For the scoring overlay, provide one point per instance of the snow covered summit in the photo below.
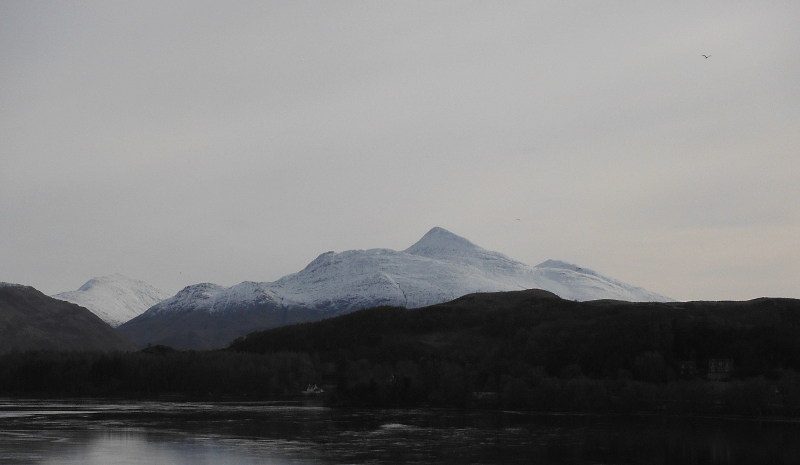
(439, 267)
(115, 298)
(439, 242)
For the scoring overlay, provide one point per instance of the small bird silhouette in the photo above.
(706, 56)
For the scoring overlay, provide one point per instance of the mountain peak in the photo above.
(115, 298)
(439, 240)
(115, 279)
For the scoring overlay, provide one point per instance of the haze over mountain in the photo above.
(439, 267)
(30, 320)
(115, 298)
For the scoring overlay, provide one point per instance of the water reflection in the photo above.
(87, 432)
(135, 447)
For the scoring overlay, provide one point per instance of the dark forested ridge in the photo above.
(533, 349)
(538, 330)
(527, 349)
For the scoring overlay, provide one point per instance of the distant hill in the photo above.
(115, 298)
(30, 320)
(440, 267)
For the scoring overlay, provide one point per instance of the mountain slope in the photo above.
(581, 284)
(116, 298)
(30, 320)
(440, 267)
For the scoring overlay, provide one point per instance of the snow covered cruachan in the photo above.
(439, 267)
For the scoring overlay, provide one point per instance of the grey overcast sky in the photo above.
(185, 142)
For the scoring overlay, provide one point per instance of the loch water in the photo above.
(147, 432)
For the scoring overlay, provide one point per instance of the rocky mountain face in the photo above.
(30, 320)
(439, 267)
(116, 298)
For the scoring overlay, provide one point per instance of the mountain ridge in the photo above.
(440, 267)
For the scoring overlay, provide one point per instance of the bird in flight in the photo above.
(706, 56)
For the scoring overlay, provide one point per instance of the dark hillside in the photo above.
(369, 327)
(488, 343)
(537, 328)
(201, 330)
(30, 320)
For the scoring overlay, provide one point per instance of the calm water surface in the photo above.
(100, 432)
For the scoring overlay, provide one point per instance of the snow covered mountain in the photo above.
(116, 298)
(439, 267)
